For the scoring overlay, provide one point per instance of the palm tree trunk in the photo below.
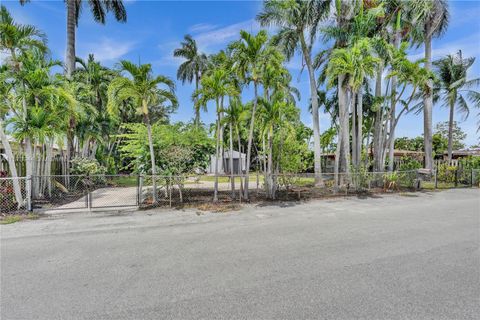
(152, 158)
(217, 156)
(450, 131)
(378, 165)
(428, 102)
(197, 108)
(232, 177)
(354, 128)
(391, 154)
(315, 118)
(71, 25)
(344, 135)
(11, 166)
(250, 139)
(270, 164)
(240, 164)
(359, 125)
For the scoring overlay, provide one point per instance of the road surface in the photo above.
(392, 257)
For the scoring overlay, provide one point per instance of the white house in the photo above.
(239, 161)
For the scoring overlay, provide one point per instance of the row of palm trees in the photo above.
(362, 41)
(362, 76)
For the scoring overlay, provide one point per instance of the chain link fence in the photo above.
(67, 192)
(14, 195)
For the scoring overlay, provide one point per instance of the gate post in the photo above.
(139, 189)
(28, 187)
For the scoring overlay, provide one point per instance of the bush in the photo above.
(86, 166)
(446, 173)
(408, 164)
(390, 181)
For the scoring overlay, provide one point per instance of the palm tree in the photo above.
(273, 117)
(147, 92)
(16, 39)
(455, 88)
(6, 101)
(298, 21)
(431, 18)
(99, 9)
(356, 64)
(95, 79)
(234, 116)
(215, 86)
(249, 55)
(193, 68)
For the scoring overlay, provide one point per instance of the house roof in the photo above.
(465, 152)
(396, 152)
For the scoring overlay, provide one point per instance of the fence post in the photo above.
(89, 200)
(169, 186)
(456, 177)
(471, 178)
(28, 187)
(139, 189)
(436, 177)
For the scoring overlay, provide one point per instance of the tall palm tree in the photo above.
(6, 100)
(298, 21)
(99, 9)
(455, 88)
(356, 64)
(431, 18)
(193, 68)
(235, 116)
(15, 39)
(95, 78)
(147, 92)
(249, 55)
(215, 86)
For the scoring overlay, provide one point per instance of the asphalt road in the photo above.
(393, 257)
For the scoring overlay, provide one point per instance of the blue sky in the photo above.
(155, 28)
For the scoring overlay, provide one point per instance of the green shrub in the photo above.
(408, 163)
(390, 181)
(86, 166)
(446, 173)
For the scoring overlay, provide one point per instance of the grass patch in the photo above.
(127, 181)
(12, 218)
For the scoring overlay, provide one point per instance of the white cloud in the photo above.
(208, 40)
(469, 45)
(201, 27)
(107, 49)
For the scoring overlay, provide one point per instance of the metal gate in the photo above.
(77, 192)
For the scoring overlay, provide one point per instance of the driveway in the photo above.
(411, 256)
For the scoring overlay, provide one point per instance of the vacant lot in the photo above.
(393, 257)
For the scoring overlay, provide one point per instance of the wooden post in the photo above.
(456, 177)
(471, 178)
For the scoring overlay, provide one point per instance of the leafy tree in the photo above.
(452, 133)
